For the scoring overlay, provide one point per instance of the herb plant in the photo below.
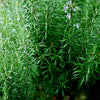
(48, 47)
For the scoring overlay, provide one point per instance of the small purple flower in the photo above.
(68, 16)
(77, 25)
(65, 7)
(69, 2)
(74, 9)
(65, 11)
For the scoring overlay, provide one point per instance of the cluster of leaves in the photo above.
(16, 72)
(44, 47)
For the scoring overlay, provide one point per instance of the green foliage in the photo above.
(48, 47)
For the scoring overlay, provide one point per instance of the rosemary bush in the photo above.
(48, 47)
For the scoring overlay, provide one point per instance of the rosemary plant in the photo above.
(48, 47)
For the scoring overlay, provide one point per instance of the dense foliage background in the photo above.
(48, 48)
